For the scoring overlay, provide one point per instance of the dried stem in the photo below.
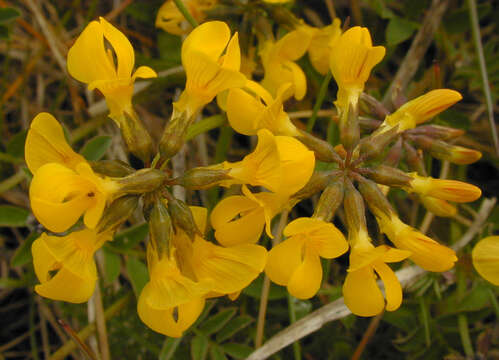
(418, 48)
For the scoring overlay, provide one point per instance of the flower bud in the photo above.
(141, 181)
(355, 211)
(137, 138)
(349, 128)
(173, 137)
(387, 175)
(331, 198)
(117, 213)
(112, 168)
(394, 155)
(414, 159)
(373, 146)
(203, 177)
(182, 217)
(438, 207)
(377, 202)
(450, 190)
(444, 151)
(437, 132)
(322, 149)
(376, 107)
(317, 182)
(160, 225)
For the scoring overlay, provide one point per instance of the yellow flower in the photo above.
(171, 20)
(295, 262)
(91, 63)
(259, 168)
(422, 108)
(360, 290)
(425, 252)
(45, 143)
(71, 257)
(60, 195)
(231, 269)
(450, 190)
(278, 62)
(319, 51)
(247, 113)
(209, 72)
(170, 302)
(227, 269)
(280, 163)
(485, 257)
(352, 59)
(241, 219)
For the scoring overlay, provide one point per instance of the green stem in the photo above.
(493, 300)
(292, 319)
(15, 179)
(320, 99)
(426, 323)
(462, 320)
(181, 7)
(475, 28)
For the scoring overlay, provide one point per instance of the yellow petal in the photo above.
(438, 207)
(122, 48)
(72, 257)
(450, 190)
(245, 229)
(200, 215)
(298, 78)
(232, 268)
(293, 45)
(232, 57)
(426, 252)
(87, 58)
(393, 290)
(297, 163)
(45, 143)
(423, 108)
(485, 256)
(162, 320)
(361, 293)
(243, 111)
(209, 38)
(306, 279)
(144, 72)
(284, 259)
(67, 286)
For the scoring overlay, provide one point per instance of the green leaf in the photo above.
(199, 347)
(130, 237)
(216, 353)
(237, 351)
(112, 265)
(96, 147)
(13, 216)
(22, 255)
(15, 146)
(215, 323)
(234, 327)
(379, 7)
(8, 14)
(399, 30)
(137, 272)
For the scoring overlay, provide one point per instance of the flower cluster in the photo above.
(185, 266)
